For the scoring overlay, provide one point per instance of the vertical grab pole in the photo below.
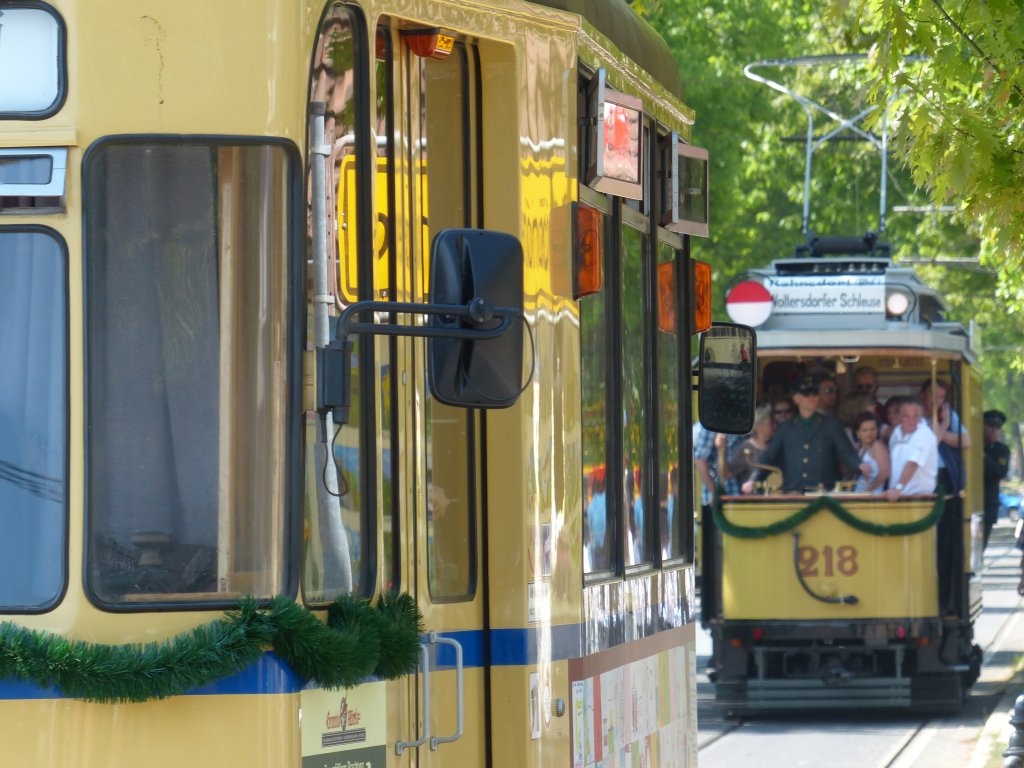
(337, 560)
(433, 637)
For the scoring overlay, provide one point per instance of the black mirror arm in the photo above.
(333, 392)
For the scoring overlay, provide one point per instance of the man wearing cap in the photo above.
(809, 448)
(997, 464)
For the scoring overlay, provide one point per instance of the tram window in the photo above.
(668, 336)
(634, 409)
(187, 252)
(598, 533)
(33, 413)
(339, 554)
(450, 491)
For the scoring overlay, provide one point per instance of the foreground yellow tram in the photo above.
(342, 348)
(833, 599)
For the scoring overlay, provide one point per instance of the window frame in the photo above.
(58, 238)
(639, 215)
(294, 311)
(62, 64)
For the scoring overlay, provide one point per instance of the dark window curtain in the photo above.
(153, 334)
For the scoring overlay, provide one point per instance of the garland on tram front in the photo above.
(358, 641)
(833, 506)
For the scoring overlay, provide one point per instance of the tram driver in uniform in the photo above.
(811, 448)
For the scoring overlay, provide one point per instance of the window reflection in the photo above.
(187, 252)
(33, 393)
(634, 427)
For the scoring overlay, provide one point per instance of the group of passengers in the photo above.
(893, 449)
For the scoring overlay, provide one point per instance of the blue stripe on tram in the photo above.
(272, 675)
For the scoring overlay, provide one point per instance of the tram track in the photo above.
(907, 751)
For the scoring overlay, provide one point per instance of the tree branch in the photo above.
(970, 41)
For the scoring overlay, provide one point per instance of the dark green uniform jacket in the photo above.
(810, 452)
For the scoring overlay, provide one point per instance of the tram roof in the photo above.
(923, 328)
(631, 34)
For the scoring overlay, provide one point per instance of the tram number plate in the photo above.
(827, 561)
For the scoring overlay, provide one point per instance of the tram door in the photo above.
(437, 97)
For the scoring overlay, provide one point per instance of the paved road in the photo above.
(890, 740)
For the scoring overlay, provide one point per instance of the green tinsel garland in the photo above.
(359, 641)
(833, 506)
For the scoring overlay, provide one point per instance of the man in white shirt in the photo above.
(914, 453)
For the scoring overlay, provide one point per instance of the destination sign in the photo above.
(827, 294)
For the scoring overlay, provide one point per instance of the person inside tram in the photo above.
(854, 405)
(892, 417)
(865, 381)
(739, 465)
(871, 451)
(782, 410)
(913, 453)
(811, 448)
(949, 431)
(828, 400)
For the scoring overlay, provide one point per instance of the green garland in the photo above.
(358, 641)
(833, 506)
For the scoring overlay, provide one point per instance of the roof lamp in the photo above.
(896, 303)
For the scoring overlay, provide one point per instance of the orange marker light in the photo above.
(701, 274)
(587, 257)
(429, 43)
(667, 297)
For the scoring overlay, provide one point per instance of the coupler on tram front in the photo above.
(837, 602)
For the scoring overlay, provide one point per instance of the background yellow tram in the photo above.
(840, 600)
(190, 197)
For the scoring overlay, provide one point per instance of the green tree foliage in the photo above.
(955, 141)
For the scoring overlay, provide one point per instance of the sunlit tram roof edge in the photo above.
(903, 341)
(630, 34)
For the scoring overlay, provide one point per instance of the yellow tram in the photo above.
(297, 468)
(834, 599)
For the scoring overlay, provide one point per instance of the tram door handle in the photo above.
(401, 746)
(433, 637)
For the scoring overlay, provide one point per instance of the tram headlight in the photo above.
(897, 303)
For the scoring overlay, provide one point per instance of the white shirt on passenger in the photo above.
(920, 447)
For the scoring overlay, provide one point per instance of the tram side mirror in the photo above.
(484, 270)
(727, 373)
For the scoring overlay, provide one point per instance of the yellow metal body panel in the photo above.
(891, 576)
(220, 69)
(261, 731)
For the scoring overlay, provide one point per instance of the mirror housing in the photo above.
(475, 327)
(482, 270)
(727, 374)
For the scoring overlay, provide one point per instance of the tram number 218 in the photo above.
(831, 560)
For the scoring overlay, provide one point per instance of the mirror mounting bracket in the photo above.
(334, 386)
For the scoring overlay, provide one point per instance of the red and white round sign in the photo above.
(749, 303)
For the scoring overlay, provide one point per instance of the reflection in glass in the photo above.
(187, 251)
(337, 536)
(634, 430)
(451, 546)
(597, 534)
(33, 432)
(668, 418)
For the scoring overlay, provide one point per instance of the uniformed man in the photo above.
(811, 447)
(997, 464)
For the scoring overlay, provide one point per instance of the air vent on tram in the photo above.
(32, 180)
(831, 266)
